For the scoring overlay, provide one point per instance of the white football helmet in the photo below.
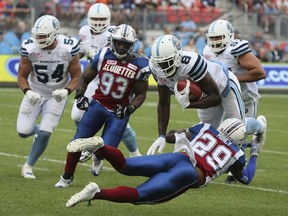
(223, 30)
(123, 40)
(45, 30)
(234, 130)
(166, 54)
(99, 17)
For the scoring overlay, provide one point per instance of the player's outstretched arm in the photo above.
(246, 175)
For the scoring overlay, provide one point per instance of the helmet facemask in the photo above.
(166, 55)
(220, 35)
(168, 65)
(99, 17)
(123, 40)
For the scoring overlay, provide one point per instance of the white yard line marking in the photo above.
(111, 169)
(49, 160)
(253, 188)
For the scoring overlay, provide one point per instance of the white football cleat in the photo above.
(27, 172)
(87, 194)
(85, 156)
(63, 183)
(85, 144)
(260, 138)
(96, 165)
(135, 153)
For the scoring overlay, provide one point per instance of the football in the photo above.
(196, 92)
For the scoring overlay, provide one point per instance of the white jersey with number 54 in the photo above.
(50, 67)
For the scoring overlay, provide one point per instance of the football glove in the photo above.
(254, 149)
(60, 94)
(160, 143)
(33, 97)
(183, 144)
(123, 111)
(86, 49)
(82, 102)
(183, 99)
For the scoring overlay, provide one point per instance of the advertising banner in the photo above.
(277, 74)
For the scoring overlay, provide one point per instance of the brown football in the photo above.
(196, 92)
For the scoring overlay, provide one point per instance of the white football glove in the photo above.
(33, 97)
(183, 99)
(86, 49)
(60, 94)
(254, 149)
(183, 144)
(159, 142)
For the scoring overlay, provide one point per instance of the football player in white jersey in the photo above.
(93, 37)
(237, 55)
(170, 64)
(201, 154)
(48, 72)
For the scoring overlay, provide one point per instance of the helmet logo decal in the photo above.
(176, 43)
(55, 24)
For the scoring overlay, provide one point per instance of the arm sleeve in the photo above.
(249, 171)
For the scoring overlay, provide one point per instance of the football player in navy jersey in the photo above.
(237, 55)
(122, 73)
(94, 36)
(201, 154)
(48, 71)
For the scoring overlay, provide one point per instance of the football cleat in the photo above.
(87, 194)
(26, 172)
(85, 144)
(260, 138)
(63, 183)
(96, 165)
(135, 153)
(85, 156)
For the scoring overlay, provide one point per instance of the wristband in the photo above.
(25, 90)
(69, 90)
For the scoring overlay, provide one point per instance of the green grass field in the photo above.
(266, 195)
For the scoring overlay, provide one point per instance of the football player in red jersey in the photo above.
(122, 74)
(201, 154)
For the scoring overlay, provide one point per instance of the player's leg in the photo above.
(254, 126)
(90, 91)
(161, 187)
(212, 115)
(51, 114)
(112, 135)
(234, 107)
(26, 127)
(87, 127)
(129, 139)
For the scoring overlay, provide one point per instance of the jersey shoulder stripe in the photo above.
(199, 68)
(240, 47)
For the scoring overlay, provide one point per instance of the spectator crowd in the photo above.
(15, 16)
